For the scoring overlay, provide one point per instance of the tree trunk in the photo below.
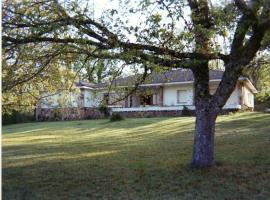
(203, 149)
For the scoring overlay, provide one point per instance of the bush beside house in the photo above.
(16, 117)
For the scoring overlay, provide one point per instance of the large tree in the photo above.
(164, 33)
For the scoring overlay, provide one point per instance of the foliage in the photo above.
(57, 114)
(105, 110)
(94, 70)
(16, 117)
(116, 117)
(187, 112)
(24, 97)
(143, 158)
(259, 73)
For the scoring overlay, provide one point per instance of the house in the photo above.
(164, 94)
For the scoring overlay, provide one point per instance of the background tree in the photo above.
(258, 72)
(29, 74)
(172, 34)
(94, 70)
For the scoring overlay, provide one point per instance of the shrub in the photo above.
(105, 110)
(116, 117)
(17, 117)
(57, 114)
(186, 111)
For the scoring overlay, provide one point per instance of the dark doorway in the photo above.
(106, 99)
(146, 100)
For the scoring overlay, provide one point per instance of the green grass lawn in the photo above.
(135, 159)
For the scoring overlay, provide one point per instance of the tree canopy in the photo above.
(167, 33)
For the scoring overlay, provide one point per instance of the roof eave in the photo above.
(249, 84)
(85, 87)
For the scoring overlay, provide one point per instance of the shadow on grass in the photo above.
(93, 125)
(129, 161)
(134, 179)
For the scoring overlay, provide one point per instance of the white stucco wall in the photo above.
(170, 95)
(64, 99)
(248, 97)
(88, 98)
(92, 98)
(234, 99)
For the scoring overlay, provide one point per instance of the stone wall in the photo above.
(54, 114)
(167, 113)
(141, 114)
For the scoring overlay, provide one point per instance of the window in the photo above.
(182, 96)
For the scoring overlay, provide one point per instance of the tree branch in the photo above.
(7, 87)
(247, 10)
(7, 41)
